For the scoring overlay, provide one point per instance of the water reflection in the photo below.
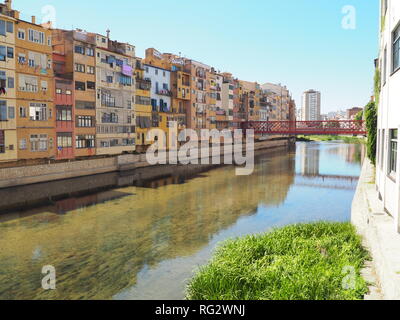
(145, 242)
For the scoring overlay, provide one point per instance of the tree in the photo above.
(371, 119)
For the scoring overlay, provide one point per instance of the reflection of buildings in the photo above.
(309, 159)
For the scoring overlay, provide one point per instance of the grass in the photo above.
(299, 262)
(346, 139)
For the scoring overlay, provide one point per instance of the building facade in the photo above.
(8, 102)
(115, 98)
(311, 106)
(79, 48)
(388, 157)
(143, 107)
(64, 108)
(35, 91)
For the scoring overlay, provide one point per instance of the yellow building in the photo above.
(35, 116)
(8, 104)
(142, 107)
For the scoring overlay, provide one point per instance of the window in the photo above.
(49, 41)
(58, 91)
(396, 49)
(3, 110)
(68, 92)
(3, 28)
(79, 49)
(86, 141)
(90, 52)
(393, 152)
(38, 111)
(90, 70)
(3, 53)
(22, 112)
(84, 121)
(22, 144)
(28, 83)
(21, 34)
(79, 67)
(10, 52)
(44, 85)
(107, 99)
(10, 83)
(11, 113)
(64, 140)
(63, 113)
(91, 85)
(21, 58)
(109, 118)
(2, 142)
(110, 79)
(10, 27)
(39, 142)
(81, 86)
(36, 36)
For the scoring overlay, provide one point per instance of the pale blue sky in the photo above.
(300, 43)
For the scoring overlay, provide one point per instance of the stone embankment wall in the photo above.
(11, 177)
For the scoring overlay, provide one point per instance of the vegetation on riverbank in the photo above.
(346, 139)
(300, 262)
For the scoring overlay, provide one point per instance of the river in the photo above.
(146, 242)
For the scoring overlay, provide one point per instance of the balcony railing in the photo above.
(164, 92)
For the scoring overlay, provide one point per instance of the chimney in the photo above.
(33, 19)
(8, 4)
(108, 34)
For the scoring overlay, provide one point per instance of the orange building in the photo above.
(79, 47)
(64, 107)
(34, 83)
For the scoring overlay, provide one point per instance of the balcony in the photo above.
(164, 92)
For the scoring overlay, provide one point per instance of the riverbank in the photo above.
(381, 238)
(345, 139)
(11, 177)
(320, 261)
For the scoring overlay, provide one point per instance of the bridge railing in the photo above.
(331, 127)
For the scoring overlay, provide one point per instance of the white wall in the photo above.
(163, 76)
(388, 114)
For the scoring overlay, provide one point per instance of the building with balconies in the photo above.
(143, 108)
(8, 102)
(34, 91)
(115, 98)
(79, 49)
(64, 109)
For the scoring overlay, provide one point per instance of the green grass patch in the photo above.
(298, 262)
(346, 139)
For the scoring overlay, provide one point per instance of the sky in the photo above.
(303, 44)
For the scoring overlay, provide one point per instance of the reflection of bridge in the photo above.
(332, 127)
(324, 178)
(328, 176)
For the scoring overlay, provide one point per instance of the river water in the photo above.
(146, 242)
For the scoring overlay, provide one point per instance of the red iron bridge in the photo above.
(331, 127)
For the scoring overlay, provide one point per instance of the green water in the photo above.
(145, 243)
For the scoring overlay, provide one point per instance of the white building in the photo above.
(311, 106)
(160, 91)
(388, 158)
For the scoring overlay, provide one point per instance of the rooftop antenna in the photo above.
(108, 33)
